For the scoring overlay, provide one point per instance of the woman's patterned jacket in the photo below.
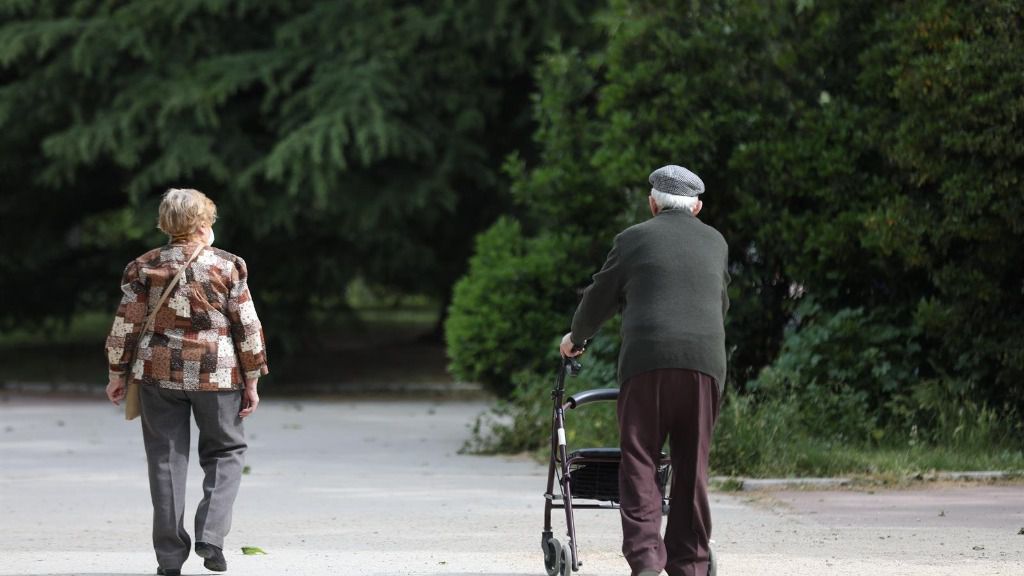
(206, 336)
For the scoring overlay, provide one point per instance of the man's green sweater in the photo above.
(668, 276)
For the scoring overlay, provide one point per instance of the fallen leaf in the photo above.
(252, 550)
(246, 470)
(978, 548)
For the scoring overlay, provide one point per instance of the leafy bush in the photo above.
(943, 84)
(522, 422)
(517, 296)
(951, 413)
(779, 430)
(873, 213)
(766, 438)
(853, 377)
(748, 435)
(848, 369)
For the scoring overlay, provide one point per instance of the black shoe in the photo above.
(168, 571)
(214, 557)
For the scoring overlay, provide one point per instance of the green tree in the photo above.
(861, 157)
(338, 138)
(946, 84)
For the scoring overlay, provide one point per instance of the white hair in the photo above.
(667, 201)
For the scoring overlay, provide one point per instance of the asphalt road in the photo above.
(378, 487)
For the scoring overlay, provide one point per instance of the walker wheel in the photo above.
(553, 557)
(566, 559)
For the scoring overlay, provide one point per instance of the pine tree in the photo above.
(340, 139)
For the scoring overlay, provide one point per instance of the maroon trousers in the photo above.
(681, 405)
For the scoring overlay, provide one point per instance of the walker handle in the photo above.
(572, 362)
(581, 348)
(571, 365)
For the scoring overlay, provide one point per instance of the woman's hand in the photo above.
(116, 389)
(250, 398)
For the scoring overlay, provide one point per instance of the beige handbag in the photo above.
(132, 403)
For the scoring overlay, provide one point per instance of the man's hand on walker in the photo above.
(567, 345)
(250, 398)
(115, 389)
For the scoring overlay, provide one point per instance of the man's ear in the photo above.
(653, 205)
(697, 207)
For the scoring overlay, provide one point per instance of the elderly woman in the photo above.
(199, 350)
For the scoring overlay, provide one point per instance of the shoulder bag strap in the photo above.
(132, 401)
(167, 292)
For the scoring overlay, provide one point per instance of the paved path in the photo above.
(377, 487)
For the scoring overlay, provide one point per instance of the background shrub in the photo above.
(851, 368)
(522, 422)
(505, 311)
(863, 160)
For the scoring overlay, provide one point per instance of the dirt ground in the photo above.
(361, 487)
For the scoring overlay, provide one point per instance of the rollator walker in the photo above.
(587, 474)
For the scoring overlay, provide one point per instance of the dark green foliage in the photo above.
(522, 421)
(751, 436)
(764, 438)
(949, 121)
(851, 368)
(519, 290)
(340, 139)
(865, 157)
(505, 312)
(562, 192)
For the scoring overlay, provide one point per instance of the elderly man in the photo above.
(669, 276)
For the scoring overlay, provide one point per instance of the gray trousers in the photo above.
(165, 431)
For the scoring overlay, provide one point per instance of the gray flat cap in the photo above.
(676, 180)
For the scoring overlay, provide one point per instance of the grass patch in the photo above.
(82, 328)
(770, 439)
(766, 440)
(727, 485)
(809, 457)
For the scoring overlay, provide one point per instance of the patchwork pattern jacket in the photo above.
(206, 336)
